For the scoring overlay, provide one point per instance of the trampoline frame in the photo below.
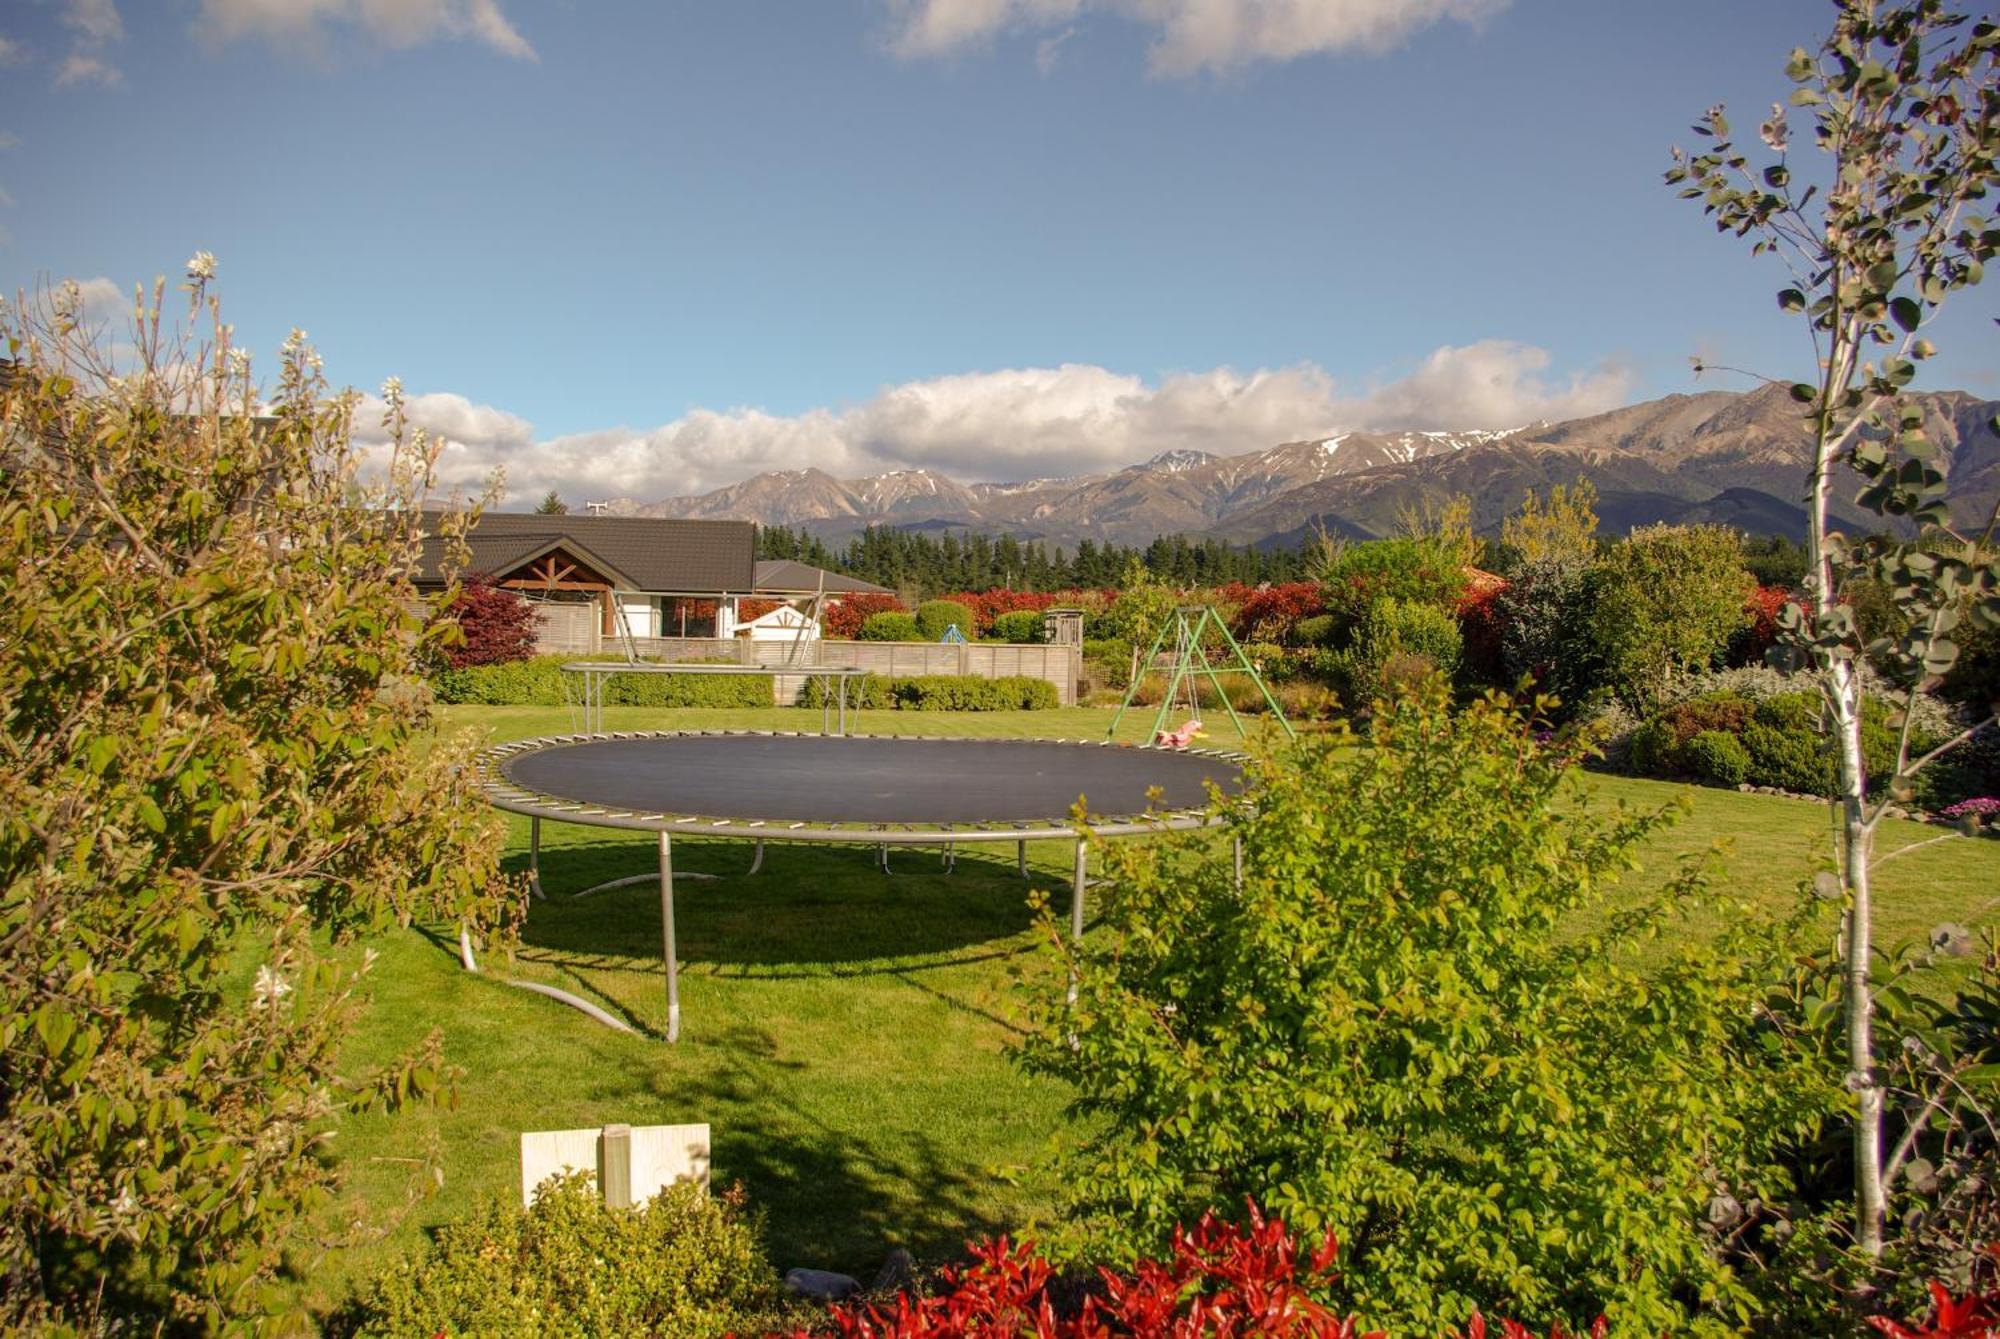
(596, 677)
(503, 794)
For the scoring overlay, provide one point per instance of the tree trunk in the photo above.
(1857, 850)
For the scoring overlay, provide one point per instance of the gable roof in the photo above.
(786, 576)
(638, 553)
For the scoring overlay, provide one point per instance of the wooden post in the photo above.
(667, 936)
(614, 1166)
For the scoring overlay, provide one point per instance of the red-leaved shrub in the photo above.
(1748, 646)
(1219, 1280)
(496, 624)
(1956, 1318)
(1270, 613)
(844, 617)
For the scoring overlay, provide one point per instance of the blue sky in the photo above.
(644, 249)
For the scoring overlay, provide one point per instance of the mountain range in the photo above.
(1717, 456)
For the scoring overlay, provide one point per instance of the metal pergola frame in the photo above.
(502, 793)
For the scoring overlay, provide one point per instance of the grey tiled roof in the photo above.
(785, 576)
(639, 553)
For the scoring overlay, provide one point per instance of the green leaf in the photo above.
(150, 815)
(1906, 313)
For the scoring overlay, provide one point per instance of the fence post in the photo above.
(614, 1166)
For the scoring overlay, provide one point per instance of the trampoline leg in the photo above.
(1076, 897)
(1021, 858)
(1237, 844)
(757, 859)
(882, 857)
(535, 857)
(950, 858)
(667, 935)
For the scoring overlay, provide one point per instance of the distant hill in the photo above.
(1718, 456)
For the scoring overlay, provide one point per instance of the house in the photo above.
(597, 580)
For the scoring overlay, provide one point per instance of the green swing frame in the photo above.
(1191, 665)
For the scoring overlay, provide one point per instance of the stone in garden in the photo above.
(822, 1284)
(899, 1271)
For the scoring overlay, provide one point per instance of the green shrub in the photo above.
(869, 691)
(940, 692)
(684, 1265)
(1316, 630)
(1108, 661)
(539, 683)
(1718, 756)
(1388, 1026)
(1664, 599)
(1398, 644)
(891, 625)
(689, 690)
(1798, 760)
(1022, 625)
(936, 617)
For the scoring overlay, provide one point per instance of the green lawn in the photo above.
(844, 1033)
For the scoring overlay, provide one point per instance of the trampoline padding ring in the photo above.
(861, 779)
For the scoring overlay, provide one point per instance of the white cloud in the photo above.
(82, 68)
(96, 25)
(1006, 425)
(94, 20)
(1189, 35)
(395, 23)
(1492, 384)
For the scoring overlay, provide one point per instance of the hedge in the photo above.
(891, 625)
(1020, 625)
(940, 692)
(936, 617)
(538, 683)
(1779, 742)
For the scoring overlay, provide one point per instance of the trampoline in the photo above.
(882, 791)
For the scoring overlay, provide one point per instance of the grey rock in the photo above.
(1745, 787)
(822, 1284)
(899, 1271)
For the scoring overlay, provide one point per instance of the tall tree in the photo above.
(1904, 101)
(552, 505)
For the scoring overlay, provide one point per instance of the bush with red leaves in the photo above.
(1951, 1318)
(497, 626)
(1270, 613)
(987, 605)
(845, 617)
(1219, 1279)
(1748, 646)
(1481, 623)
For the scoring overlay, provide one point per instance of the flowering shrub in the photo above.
(495, 626)
(844, 618)
(1980, 806)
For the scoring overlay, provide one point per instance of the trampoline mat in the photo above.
(830, 779)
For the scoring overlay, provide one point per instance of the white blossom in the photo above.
(201, 266)
(269, 988)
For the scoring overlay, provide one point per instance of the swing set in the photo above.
(1188, 627)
